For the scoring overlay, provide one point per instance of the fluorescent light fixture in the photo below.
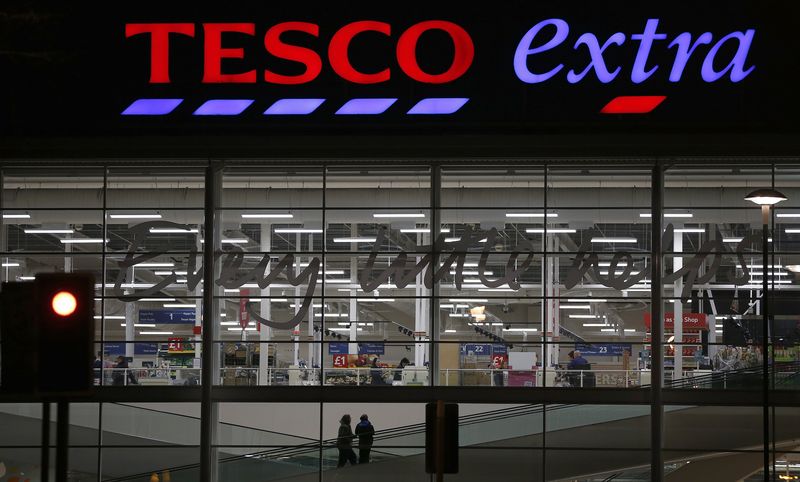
(771, 273)
(575, 307)
(157, 299)
(110, 317)
(154, 265)
(792, 230)
(397, 215)
(690, 230)
(298, 231)
(614, 240)
(16, 216)
(82, 241)
(354, 240)
(490, 290)
(531, 215)
(229, 323)
(332, 315)
(608, 330)
(155, 332)
(732, 240)
(454, 300)
(168, 273)
(375, 300)
(761, 266)
(49, 231)
(451, 240)
(521, 329)
(172, 230)
(223, 315)
(142, 325)
(595, 324)
(179, 305)
(449, 331)
(629, 330)
(458, 315)
(550, 230)
(423, 230)
(315, 305)
(234, 241)
(268, 216)
(607, 264)
(788, 215)
(134, 216)
(618, 273)
(338, 281)
(239, 329)
(10, 265)
(344, 329)
(473, 273)
(588, 317)
(586, 300)
(27, 278)
(668, 215)
(445, 305)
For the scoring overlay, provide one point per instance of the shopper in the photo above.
(376, 373)
(120, 371)
(398, 373)
(582, 376)
(344, 442)
(497, 368)
(365, 433)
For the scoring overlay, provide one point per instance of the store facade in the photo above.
(403, 207)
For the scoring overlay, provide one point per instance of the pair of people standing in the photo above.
(344, 440)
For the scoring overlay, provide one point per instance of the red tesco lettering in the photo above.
(275, 44)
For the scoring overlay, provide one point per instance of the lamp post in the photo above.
(765, 198)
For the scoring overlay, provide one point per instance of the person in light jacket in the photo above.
(344, 442)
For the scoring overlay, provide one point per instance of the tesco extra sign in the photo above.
(583, 54)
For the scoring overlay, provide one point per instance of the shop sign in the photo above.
(340, 361)
(167, 316)
(180, 345)
(337, 349)
(479, 349)
(691, 321)
(370, 348)
(603, 349)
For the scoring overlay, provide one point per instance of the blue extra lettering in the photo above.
(596, 58)
(524, 50)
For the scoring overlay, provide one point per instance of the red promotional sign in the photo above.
(244, 316)
(340, 361)
(175, 344)
(691, 321)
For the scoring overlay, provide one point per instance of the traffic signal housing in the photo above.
(47, 334)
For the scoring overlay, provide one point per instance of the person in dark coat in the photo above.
(365, 433)
(376, 373)
(120, 370)
(344, 442)
(398, 373)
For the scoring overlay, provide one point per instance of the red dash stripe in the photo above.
(633, 104)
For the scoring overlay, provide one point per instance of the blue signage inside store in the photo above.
(337, 348)
(480, 349)
(166, 316)
(115, 349)
(370, 348)
(603, 349)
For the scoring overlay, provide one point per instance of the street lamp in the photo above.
(765, 198)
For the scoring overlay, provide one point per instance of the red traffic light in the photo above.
(64, 303)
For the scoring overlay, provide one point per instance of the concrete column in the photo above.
(677, 264)
(265, 310)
